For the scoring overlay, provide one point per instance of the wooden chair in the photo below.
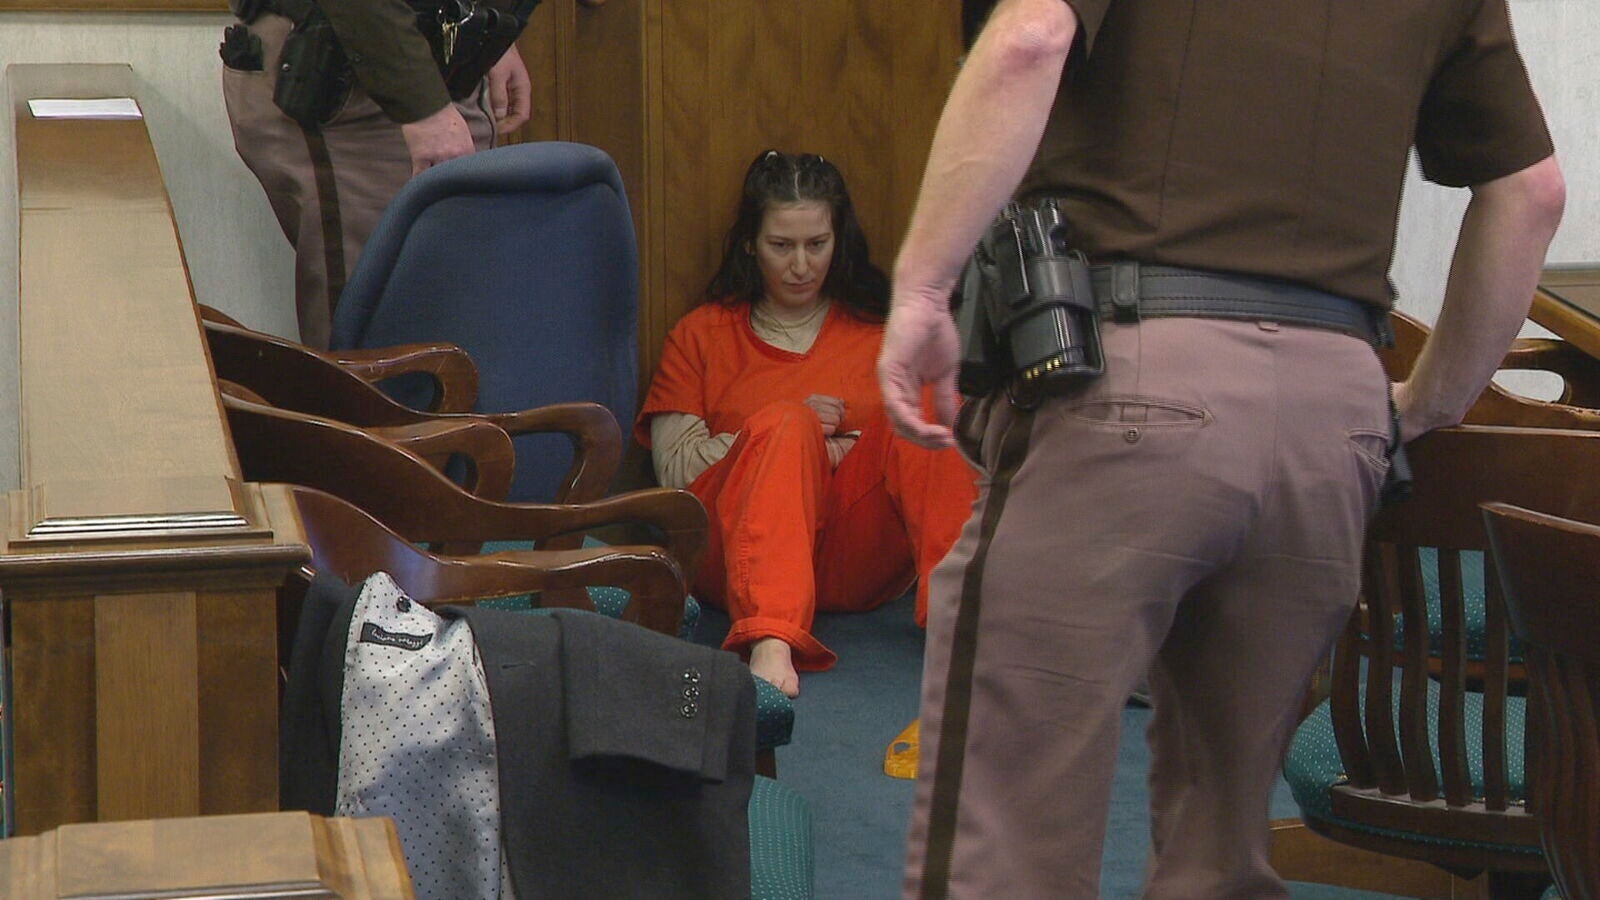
(454, 375)
(400, 489)
(1550, 569)
(1421, 767)
(353, 545)
(295, 377)
(1577, 407)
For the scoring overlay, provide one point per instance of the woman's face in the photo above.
(794, 249)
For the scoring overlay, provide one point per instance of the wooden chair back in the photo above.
(1550, 569)
(293, 376)
(296, 377)
(295, 371)
(409, 496)
(353, 545)
(1580, 374)
(1384, 743)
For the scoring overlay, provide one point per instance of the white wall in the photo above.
(1560, 39)
(238, 258)
(241, 264)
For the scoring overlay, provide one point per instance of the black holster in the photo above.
(1026, 311)
(314, 77)
(467, 38)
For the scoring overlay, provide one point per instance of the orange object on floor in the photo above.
(905, 751)
(790, 534)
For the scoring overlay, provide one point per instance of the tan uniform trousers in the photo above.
(1197, 512)
(327, 188)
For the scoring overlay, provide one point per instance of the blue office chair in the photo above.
(525, 257)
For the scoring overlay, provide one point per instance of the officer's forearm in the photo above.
(1499, 254)
(988, 134)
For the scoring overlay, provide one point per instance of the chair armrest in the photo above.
(410, 496)
(1579, 370)
(452, 370)
(596, 444)
(675, 515)
(655, 583)
(487, 446)
(351, 544)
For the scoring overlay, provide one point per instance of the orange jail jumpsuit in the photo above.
(790, 534)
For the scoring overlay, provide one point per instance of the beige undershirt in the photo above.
(682, 445)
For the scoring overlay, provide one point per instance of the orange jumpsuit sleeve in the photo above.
(679, 384)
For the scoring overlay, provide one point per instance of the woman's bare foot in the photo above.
(772, 659)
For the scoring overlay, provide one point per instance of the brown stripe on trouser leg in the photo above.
(964, 647)
(332, 227)
(1208, 451)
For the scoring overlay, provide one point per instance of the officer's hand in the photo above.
(920, 347)
(1412, 424)
(829, 409)
(510, 92)
(440, 137)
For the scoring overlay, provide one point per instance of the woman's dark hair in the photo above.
(775, 178)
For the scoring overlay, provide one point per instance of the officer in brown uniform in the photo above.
(1232, 169)
(329, 182)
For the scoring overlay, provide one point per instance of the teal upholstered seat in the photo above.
(781, 864)
(1472, 575)
(774, 709)
(1313, 767)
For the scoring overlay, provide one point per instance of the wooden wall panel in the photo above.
(147, 705)
(684, 93)
(538, 47)
(236, 656)
(857, 81)
(53, 712)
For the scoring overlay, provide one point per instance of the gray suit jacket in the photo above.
(626, 757)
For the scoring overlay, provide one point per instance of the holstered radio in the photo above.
(1026, 311)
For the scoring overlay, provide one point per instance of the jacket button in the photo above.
(1131, 435)
(688, 710)
(691, 676)
(691, 693)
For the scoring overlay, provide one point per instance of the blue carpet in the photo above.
(846, 717)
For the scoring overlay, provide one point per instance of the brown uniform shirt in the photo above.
(391, 58)
(1271, 138)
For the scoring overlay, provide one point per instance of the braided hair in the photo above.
(777, 178)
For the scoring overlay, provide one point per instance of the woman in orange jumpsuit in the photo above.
(766, 407)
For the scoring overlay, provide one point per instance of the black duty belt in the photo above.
(1129, 291)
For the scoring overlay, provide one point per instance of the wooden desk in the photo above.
(139, 573)
(1568, 303)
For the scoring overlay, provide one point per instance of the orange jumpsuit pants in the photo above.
(790, 535)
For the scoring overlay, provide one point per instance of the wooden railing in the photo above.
(138, 571)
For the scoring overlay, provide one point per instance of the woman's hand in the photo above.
(838, 446)
(830, 410)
